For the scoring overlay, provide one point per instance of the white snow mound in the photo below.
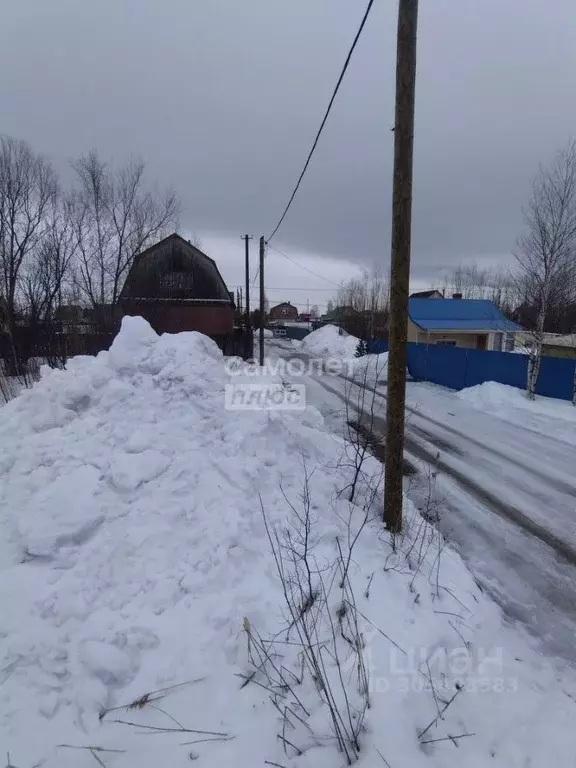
(133, 556)
(371, 369)
(330, 341)
(545, 414)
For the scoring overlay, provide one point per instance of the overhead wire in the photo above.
(311, 271)
(325, 118)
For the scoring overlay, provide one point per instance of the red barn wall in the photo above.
(174, 318)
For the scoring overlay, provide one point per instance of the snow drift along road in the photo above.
(133, 553)
(329, 341)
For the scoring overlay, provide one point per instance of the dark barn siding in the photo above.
(165, 318)
(176, 287)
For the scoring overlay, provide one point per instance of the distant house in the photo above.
(283, 311)
(73, 318)
(556, 345)
(472, 323)
(340, 314)
(177, 287)
(433, 294)
(376, 323)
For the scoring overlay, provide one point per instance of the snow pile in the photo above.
(268, 333)
(370, 369)
(546, 415)
(135, 560)
(329, 341)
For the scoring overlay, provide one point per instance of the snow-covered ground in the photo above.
(545, 415)
(330, 341)
(504, 491)
(138, 589)
(506, 494)
(371, 369)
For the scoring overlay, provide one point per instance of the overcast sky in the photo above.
(223, 98)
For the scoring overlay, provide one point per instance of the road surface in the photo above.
(505, 496)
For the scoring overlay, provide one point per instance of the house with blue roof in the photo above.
(471, 323)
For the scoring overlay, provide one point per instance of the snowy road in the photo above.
(506, 496)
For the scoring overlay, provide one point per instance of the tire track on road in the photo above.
(418, 448)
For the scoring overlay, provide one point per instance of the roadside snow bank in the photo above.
(370, 369)
(329, 341)
(545, 414)
(134, 561)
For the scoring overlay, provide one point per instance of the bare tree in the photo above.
(367, 294)
(28, 190)
(45, 275)
(468, 280)
(352, 293)
(116, 216)
(546, 252)
(474, 282)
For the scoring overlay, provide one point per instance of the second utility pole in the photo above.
(400, 261)
(262, 301)
(247, 239)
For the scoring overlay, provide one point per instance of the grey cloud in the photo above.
(223, 98)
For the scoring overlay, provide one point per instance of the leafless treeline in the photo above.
(539, 289)
(71, 246)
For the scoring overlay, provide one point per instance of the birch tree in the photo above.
(116, 217)
(546, 252)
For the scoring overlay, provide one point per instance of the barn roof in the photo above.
(175, 269)
(459, 314)
(434, 293)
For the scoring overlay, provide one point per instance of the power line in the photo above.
(304, 303)
(316, 274)
(258, 269)
(335, 92)
(271, 288)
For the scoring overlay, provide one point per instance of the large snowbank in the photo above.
(370, 369)
(546, 415)
(329, 341)
(133, 555)
(268, 333)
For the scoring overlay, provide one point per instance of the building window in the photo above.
(509, 343)
(497, 347)
(446, 343)
(176, 282)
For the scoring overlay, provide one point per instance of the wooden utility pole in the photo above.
(400, 260)
(262, 300)
(247, 239)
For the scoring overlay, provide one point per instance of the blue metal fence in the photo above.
(377, 346)
(556, 377)
(458, 368)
